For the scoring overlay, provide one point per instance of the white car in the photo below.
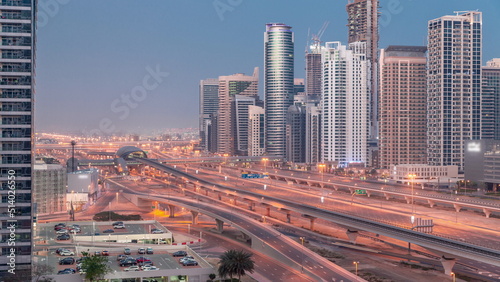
(67, 253)
(150, 268)
(132, 268)
(119, 226)
(62, 231)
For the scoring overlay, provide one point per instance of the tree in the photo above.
(96, 267)
(40, 270)
(234, 262)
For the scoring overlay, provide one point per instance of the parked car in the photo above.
(144, 263)
(97, 253)
(105, 253)
(62, 231)
(118, 223)
(119, 226)
(181, 260)
(157, 231)
(66, 261)
(189, 262)
(150, 268)
(141, 251)
(63, 237)
(121, 257)
(142, 259)
(128, 262)
(108, 231)
(59, 250)
(132, 268)
(180, 254)
(65, 271)
(149, 251)
(67, 253)
(127, 251)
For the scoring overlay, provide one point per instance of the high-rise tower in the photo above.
(278, 80)
(344, 104)
(229, 87)
(209, 104)
(453, 86)
(403, 106)
(17, 48)
(491, 100)
(362, 26)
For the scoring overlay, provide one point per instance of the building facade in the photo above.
(229, 87)
(403, 106)
(256, 131)
(278, 84)
(491, 100)
(241, 107)
(18, 25)
(49, 182)
(453, 86)
(209, 104)
(313, 134)
(345, 104)
(313, 74)
(362, 26)
(295, 134)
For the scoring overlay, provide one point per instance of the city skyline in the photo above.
(74, 74)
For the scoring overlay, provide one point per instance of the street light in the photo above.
(412, 178)
(302, 263)
(322, 170)
(265, 163)
(356, 264)
(453, 276)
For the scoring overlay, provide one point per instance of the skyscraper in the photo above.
(17, 89)
(362, 26)
(229, 87)
(453, 86)
(403, 106)
(345, 103)
(278, 84)
(296, 134)
(491, 100)
(256, 131)
(313, 74)
(209, 104)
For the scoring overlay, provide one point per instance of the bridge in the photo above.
(446, 247)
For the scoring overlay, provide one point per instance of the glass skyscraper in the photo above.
(17, 48)
(278, 84)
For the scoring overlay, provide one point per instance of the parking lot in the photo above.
(161, 258)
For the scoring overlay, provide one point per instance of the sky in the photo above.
(134, 66)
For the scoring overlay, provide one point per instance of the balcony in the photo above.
(19, 3)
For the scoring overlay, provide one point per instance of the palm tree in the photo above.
(235, 262)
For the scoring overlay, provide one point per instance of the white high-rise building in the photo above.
(278, 86)
(453, 86)
(256, 131)
(345, 103)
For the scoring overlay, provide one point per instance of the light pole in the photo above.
(322, 171)
(302, 263)
(265, 163)
(412, 178)
(356, 265)
(453, 276)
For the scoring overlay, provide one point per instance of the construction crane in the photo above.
(316, 39)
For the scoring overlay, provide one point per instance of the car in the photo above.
(149, 251)
(148, 262)
(63, 237)
(150, 268)
(62, 231)
(97, 233)
(157, 231)
(59, 250)
(64, 271)
(72, 270)
(127, 251)
(141, 251)
(142, 259)
(67, 253)
(132, 268)
(82, 271)
(105, 253)
(128, 262)
(119, 226)
(180, 254)
(118, 223)
(189, 262)
(121, 257)
(181, 260)
(65, 261)
(108, 231)
(97, 253)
